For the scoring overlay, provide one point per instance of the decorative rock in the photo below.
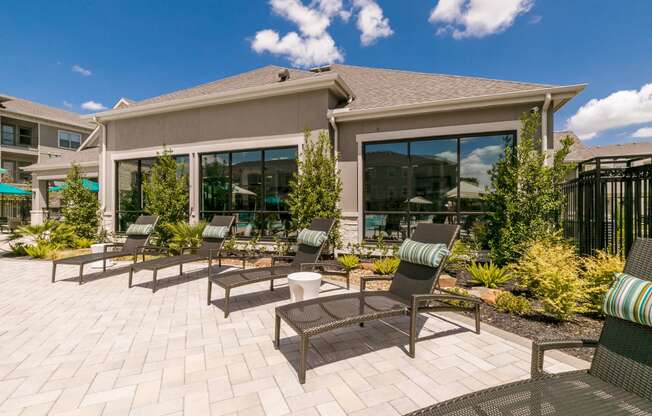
(447, 281)
(486, 294)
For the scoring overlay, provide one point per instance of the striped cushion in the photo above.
(311, 237)
(140, 229)
(422, 253)
(215, 231)
(630, 298)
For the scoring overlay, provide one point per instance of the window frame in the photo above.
(20, 136)
(69, 132)
(230, 211)
(2, 134)
(458, 214)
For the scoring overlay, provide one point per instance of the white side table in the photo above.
(304, 285)
(99, 248)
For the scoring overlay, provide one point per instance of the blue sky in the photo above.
(141, 49)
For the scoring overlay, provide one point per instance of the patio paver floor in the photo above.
(104, 349)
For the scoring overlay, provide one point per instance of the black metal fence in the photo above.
(608, 204)
(15, 208)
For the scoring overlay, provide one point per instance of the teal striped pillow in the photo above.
(311, 237)
(140, 229)
(215, 231)
(630, 298)
(422, 253)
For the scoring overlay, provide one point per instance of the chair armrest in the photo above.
(373, 278)
(540, 347)
(285, 258)
(147, 248)
(417, 299)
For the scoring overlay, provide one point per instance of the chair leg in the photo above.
(154, 281)
(131, 276)
(271, 285)
(413, 332)
(303, 359)
(104, 264)
(54, 270)
(277, 332)
(181, 270)
(227, 301)
(348, 280)
(477, 318)
(210, 289)
(81, 274)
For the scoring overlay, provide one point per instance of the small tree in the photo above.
(316, 189)
(166, 194)
(526, 198)
(79, 206)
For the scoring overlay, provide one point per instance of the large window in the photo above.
(25, 136)
(129, 192)
(8, 134)
(252, 185)
(69, 139)
(440, 180)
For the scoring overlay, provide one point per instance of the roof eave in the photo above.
(561, 94)
(46, 120)
(39, 167)
(328, 81)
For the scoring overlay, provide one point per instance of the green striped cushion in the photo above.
(140, 229)
(311, 237)
(630, 298)
(422, 253)
(215, 231)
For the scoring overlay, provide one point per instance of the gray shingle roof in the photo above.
(373, 87)
(621, 149)
(30, 108)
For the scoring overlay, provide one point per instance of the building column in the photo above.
(194, 187)
(38, 214)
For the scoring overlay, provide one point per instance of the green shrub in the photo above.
(80, 206)
(549, 269)
(50, 232)
(230, 244)
(281, 246)
(510, 303)
(83, 243)
(183, 234)
(488, 275)
(461, 256)
(41, 250)
(17, 250)
(349, 261)
(386, 266)
(597, 274)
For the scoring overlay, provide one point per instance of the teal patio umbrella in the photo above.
(86, 183)
(6, 189)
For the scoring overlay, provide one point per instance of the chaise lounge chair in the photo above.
(136, 243)
(619, 381)
(212, 240)
(410, 292)
(305, 255)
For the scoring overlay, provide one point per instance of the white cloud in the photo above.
(83, 71)
(620, 109)
(93, 106)
(477, 18)
(643, 132)
(372, 23)
(312, 44)
(67, 104)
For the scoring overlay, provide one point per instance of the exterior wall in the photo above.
(50, 136)
(352, 134)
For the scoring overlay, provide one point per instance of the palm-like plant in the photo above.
(185, 235)
(488, 275)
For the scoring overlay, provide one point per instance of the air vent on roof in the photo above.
(283, 75)
(324, 68)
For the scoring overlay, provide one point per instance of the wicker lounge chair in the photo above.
(410, 292)
(305, 255)
(134, 245)
(209, 250)
(619, 381)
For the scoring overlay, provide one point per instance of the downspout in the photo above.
(102, 172)
(544, 124)
(331, 120)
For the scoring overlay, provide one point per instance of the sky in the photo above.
(84, 55)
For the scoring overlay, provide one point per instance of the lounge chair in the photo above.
(619, 381)
(136, 243)
(209, 250)
(306, 255)
(410, 292)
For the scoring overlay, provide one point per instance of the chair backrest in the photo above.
(135, 241)
(414, 279)
(624, 353)
(310, 254)
(209, 244)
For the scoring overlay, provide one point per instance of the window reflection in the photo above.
(386, 171)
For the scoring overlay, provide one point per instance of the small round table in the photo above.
(304, 285)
